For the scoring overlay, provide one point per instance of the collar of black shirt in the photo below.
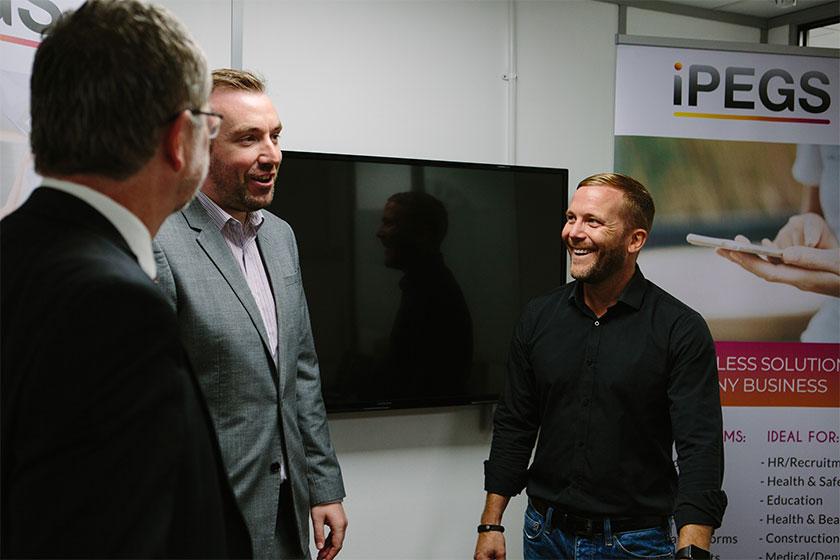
(632, 294)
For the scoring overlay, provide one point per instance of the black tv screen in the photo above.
(416, 271)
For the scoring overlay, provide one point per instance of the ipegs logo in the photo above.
(20, 21)
(776, 90)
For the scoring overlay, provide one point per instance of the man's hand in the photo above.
(331, 515)
(810, 260)
(807, 268)
(490, 546)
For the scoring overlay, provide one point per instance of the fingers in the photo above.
(328, 551)
(334, 543)
(813, 230)
(809, 230)
(333, 516)
(318, 530)
(490, 546)
(814, 280)
(827, 260)
(751, 263)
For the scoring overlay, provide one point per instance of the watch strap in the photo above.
(693, 552)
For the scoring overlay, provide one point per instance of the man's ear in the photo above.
(638, 237)
(175, 141)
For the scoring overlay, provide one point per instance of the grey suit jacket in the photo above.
(227, 344)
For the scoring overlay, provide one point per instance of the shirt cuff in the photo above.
(701, 508)
(504, 481)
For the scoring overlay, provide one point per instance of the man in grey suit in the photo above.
(231, 269)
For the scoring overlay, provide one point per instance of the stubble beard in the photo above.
(233, 189)
(609, 262)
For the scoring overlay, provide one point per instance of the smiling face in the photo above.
(245, 156)
(596, 235)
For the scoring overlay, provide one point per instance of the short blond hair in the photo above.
(244, 80)
(639, 207)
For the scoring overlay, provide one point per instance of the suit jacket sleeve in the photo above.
(324, 473)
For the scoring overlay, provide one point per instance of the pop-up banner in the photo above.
(725, 95)
(736, 142)
(21, 26)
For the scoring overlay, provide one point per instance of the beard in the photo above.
(232, 189)
(609, 261)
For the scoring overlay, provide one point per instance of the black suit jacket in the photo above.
(107, 448)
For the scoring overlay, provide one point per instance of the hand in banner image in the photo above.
(810, 261)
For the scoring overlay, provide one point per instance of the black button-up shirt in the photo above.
(608, 397)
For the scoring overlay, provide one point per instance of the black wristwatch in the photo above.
(693, 552)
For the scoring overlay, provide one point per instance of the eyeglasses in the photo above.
(214, 121)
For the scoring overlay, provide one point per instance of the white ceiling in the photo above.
(754, 8)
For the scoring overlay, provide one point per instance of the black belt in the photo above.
(581, 525)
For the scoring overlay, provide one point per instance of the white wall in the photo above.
(422, 79)
(407, 79)
(566, 85)
(209, 22)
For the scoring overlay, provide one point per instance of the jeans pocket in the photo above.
(534, 523)
(647, 543)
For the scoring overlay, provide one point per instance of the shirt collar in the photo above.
(632, 294)
(221, 218)
(128, 225)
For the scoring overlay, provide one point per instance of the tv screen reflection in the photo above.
(416, 271)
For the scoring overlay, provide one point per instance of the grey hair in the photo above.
(107, 79)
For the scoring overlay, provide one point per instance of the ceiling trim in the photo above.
(735, 46)
(692, 11)
(828, 10)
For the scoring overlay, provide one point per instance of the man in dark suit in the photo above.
(107, 446)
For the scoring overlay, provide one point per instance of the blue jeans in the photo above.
(542, 543)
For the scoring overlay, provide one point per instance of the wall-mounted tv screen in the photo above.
(416, 271)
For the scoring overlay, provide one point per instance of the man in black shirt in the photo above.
(610, 371)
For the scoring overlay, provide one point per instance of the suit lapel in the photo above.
(210, 239)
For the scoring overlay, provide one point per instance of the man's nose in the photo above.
(270, 155)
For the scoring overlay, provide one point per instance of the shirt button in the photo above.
(274, 468)
(597, 323)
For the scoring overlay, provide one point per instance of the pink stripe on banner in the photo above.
(779, 374)
(19, 41)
